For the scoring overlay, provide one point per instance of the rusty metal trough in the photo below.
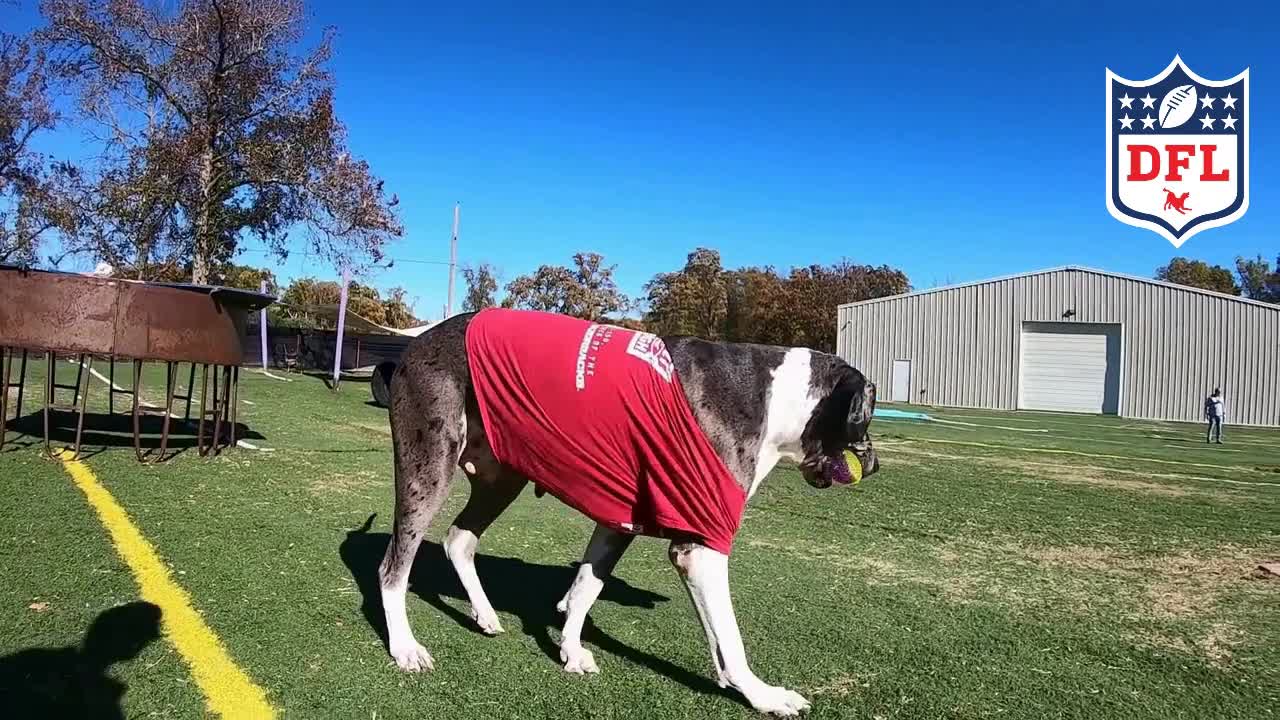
(87, 317)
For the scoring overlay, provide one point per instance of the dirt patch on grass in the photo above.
(1172, 601)
(379, 428)
(343, 483)
(1215, 643)
(1114, 478)
(1074, 557)
(843, 685)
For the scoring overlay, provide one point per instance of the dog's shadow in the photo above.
(527, 590)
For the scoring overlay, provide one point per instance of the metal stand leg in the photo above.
(78, 401)
(22, 383)
(83, 399)
(6, 364)
(204, 395)
(220, 406)
(170, 373)
(49, 379)
(191, 384)
(235, 402)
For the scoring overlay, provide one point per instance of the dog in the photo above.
(753, 404)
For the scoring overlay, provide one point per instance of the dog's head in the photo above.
(840, 421)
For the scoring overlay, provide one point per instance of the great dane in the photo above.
(756, 404)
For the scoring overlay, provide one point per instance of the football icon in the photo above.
(1178, 105)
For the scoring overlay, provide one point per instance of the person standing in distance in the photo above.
(1214, 412)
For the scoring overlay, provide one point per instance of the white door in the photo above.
(1070, 367)
(901, 381)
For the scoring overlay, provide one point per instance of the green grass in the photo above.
(977, 575)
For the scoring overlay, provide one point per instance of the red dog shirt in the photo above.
(595, 415)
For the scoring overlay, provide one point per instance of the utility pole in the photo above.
(262, 324)
(453, 259)
(342, 317)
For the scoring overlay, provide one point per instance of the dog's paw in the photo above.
(779, 701)
(488, 622)
(578, 660)
(563, 605)
(412, 657)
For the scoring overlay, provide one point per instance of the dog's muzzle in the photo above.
(850, 466)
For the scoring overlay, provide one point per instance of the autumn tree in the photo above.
(397, 310)
(1258, 280)
(304, 292)
(587, 290)
(1199, 274)
(691, 301)
(757, 307)
(246, 277)
(30, 204)
(814, 293)
(213, 129)
(482, 283)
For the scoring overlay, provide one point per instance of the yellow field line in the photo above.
(228, 691)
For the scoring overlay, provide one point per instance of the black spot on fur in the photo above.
(726, 385)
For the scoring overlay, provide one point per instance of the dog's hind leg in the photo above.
(490, 496)
(706, 575)
(426, 433)
(603, 553)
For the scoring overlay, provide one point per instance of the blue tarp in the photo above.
(900, 414)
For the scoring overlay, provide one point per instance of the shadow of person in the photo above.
(527, 590)
(73, 682)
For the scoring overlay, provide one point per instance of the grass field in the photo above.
(1004, 565)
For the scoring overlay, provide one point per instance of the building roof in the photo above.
(1069, 268)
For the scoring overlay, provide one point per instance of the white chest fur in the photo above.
(791, 401)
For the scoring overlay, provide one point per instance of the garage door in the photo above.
(1070, 367)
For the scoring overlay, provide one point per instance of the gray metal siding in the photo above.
(1177, 344)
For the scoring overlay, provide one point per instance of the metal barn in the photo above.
(1071, 339)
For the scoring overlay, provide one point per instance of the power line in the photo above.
(393, 260)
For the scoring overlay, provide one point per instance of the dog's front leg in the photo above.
(706, 575)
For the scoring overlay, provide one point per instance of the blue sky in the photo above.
(954, 142)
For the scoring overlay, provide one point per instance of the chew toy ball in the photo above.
(855, 466)
(845, 469)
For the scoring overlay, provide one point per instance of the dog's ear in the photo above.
(862, 407)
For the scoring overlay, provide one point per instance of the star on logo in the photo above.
(1148, 101)
(1126, 122)
(1228, 123)
(1206, 102)
(1148, 122)
(1206, 122)
(1229, 102)
(1126, 101)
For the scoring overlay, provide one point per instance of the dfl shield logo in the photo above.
(1177, 151)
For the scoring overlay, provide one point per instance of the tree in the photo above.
(365, 301)
(482, 283)
(248, 278)
(1198, 273)
(303, 292)
(692, 301)
(757, 308)
(814, 292)
(212, 129)
(398, 312)
(586, 291)
(1258, 280)
(30, 204)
